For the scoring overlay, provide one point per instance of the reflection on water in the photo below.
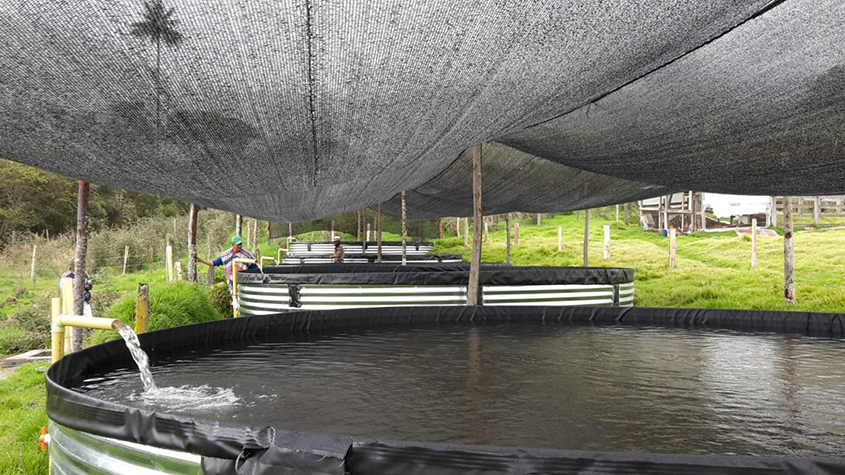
(615, 389)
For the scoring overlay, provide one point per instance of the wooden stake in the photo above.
(672, 248)
(668, 202)
(368, 238)
(606, 228)
(586, 238)
(440, 227)
(753, 243)
(626, 214)
(168, 262)
(255, 237)
(378, 235)
(659, 213)
(817, 210)
(560, 238)
(516, 234)
(617, 212)
(81, 254)
(404, 232)
(508, 236)
(142, 309)
(125, 257)
(290, 229)
(486, 232)
(239, 224)
(178, 270)
(193, 214)
(788, 253)
(209, 276)
(474, 287)
(773, 214)
(466, 233)
(539, 219)
(32, 270)
(458, 226)
(703, 215)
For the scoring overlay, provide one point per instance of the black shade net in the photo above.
(418, 229)
(300, 109)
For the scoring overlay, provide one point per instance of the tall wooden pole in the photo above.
(508, 235)
(440, 227)
(817, 211)
(626, 214)
(753, 243)
(404, 231)
(586, 237)
(458, 226)
(192, 243)
(539, 219)
(474, 288)
(79, 266)
(239, 224)
(378, 234)
(255, 237)
(466, 233)
(672, 247)
(788, 252)
(774, 212)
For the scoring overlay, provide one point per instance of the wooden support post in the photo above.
(125, 257)
(440, 228)
(193, 214)
(142, 309)
(586, 238)
(32, 268)
(753, 243)
(466, 233)
(667, 203)
(617, 212)
(516, 233)
(239, 224)
(209, 276)
(368, 233)
(178, 265)
(539, 219)
(168, 262)
(692, 216)
(703, 215)
(404, 232)
(788, 253)
(672, 244)
(247, 241)
(378, 232)
(560, 238)
(660, 212)
(627, 205)
(817, 210)
(474, 287)
(290, 229)
(486, 232)
(81, 254)
(458, 227)
(255, 238)
(606, 228)
(508, 238)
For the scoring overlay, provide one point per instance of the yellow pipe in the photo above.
(58, 342)
(67, 309)
(266, 258)
(236, 304)
(88, 322)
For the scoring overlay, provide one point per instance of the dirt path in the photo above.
(6, 372)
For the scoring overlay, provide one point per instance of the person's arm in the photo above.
(207, 262)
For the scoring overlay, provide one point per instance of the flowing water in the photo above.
(550, 386)
(138, 354)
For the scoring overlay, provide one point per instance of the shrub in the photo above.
(172, 304)
(26, 329)
(220, 298)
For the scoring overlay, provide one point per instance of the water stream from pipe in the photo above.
(140, 357)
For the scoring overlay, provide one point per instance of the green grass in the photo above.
(22, 415)
(712, 269)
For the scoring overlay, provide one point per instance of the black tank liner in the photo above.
(229, 449)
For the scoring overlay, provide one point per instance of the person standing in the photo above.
(227, 260)
(337, 255)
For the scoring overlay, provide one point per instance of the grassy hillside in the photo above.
(713, 270)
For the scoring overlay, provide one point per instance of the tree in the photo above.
(159, 25)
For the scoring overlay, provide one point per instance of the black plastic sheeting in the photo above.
(300, 109)
(229, 449)
(434, 274)
(373, 258)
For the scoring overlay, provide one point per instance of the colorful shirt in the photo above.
(226, 260)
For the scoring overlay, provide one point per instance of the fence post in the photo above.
(817, 209)
(142, 309)
(168, 262)
(486, 232)
(178, 270)
(440, 227)
(627, 206)
(404, 231)
(539, 219)
(193, 214)
(474, 284)
(516, 234)
(753, 243)
(617, 212)
(458, 227)
(586, 237)
(560, 238)
(32, 272)
(466, 233)
(788, 252)
(672, 245)
(125, 257)
(774, 212)
(379, 229)
(606, 228)
(508, 237)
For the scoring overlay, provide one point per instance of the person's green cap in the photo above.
(237, 240)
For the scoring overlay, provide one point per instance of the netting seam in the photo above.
(311, 110)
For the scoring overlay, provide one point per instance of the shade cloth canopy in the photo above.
(299, 109)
